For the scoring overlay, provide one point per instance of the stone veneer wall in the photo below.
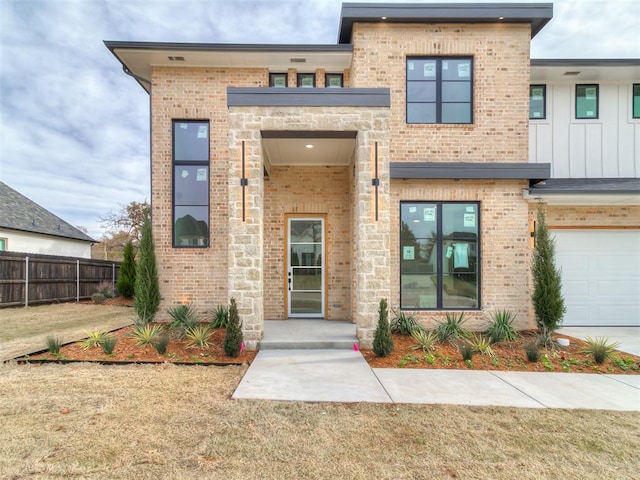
(504, 243)
(316, 190)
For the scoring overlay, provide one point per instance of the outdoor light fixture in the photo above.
(244, 181)
(309, 145)
(375, 181)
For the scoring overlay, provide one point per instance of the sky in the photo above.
(74, 129)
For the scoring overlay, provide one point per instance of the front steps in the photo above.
(308, 334)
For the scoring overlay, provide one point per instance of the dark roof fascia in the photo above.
(534, 172)
(308, 97)
(587, 186)
(225, 47)
(536, 14)
(585, 62)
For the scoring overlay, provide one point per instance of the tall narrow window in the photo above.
(586, 101)
(190, 183)
(439, 90)
(636, 100)
(439, 255)
(537, 102)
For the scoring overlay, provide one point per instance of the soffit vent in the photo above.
(570, 74)
(176, 59)
(298, 60)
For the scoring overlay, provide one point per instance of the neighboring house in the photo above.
(311, 181)
(27, 227)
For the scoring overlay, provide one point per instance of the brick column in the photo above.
(371, 236)
(245, 237)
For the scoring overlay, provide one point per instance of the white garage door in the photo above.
(600, 276)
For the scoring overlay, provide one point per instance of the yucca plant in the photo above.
(199, 336)
(108, 343)
(481, 345)
(500, 327)
(425, 339)
(600, 348)
(54, 344)
(160, 343)
(532, 351)
(146, 334)
(93, 339)
(403, 323)
(452, 327)
(183, 316)
(220, 317)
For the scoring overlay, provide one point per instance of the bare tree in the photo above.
(128, 219)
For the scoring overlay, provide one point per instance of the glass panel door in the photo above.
(305, 272)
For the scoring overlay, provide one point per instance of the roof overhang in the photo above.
(138, 58)
(308, 97)
(534, 172)
(585, 191)
(581, 70)
(535, 14)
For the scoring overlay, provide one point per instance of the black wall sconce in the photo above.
(244, 181)
(375, 181)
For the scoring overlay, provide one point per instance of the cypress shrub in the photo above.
(233, 334)
(147, 285)
(127, 279)
(382, 341)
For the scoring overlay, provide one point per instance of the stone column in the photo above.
(245, 236)
(371, 243)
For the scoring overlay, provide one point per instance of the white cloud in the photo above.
(74, 129)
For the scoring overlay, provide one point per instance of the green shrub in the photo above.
(452, 327)
(500, 327)
(127, 278)
(146, 334)
(147, 285)
(54, 344)
(98, 297)
(183, 316)
(220, 317)
(403, 323)
(160, 343)
(382, 340)
(600, 348)
(532, 351)
(105, 289)
(466, 350)
(93, 339)
(233, 336)
(481, 345)
(108, 343)
(199, 336)
(426, 339)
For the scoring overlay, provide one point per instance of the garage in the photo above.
(600, 276)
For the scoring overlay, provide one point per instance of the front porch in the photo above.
(308, 334)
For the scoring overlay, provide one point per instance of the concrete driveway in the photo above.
(627, 337)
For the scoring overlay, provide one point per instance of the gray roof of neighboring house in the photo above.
(588, 185)
(17, 212)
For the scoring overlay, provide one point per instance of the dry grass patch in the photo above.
(166, 421)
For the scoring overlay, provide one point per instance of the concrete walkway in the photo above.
(345, 376)
(627, 337)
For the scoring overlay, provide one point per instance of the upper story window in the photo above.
(636, 100)
(586, 101)
(306, 80)
(278, 80)
(190, 183)
(440, 90)
(537, 102)
(333, 80)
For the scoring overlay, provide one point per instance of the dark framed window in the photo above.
(586, 101)
(333, 80)
(190, 183)
(440, 90)
(636, 100)
(278, 80)
(306, 80)
(537, 102)
(439, 255)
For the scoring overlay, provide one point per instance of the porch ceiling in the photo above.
(309, 148)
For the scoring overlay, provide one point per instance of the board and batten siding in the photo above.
(607, 147)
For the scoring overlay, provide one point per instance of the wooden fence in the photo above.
(27, 279)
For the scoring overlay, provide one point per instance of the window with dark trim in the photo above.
(537, 102)
(636, 100)
(306, 80)
(440, 90)
(278, 80)
(439, 255)
(586, 101)
(190, 183)
(333, 80)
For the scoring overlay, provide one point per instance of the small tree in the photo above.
(382, 341)
(233, 335)
(548, 302)
(147, 286)
(127, 279)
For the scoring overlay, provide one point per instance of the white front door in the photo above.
(305, 267)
